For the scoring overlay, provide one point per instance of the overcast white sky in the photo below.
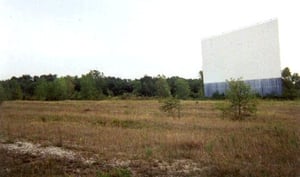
(129, 39)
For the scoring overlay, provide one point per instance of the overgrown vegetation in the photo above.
(134, 136)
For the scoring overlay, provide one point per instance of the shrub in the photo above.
(171, 106)
(241, 100)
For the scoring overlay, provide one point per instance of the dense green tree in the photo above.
(182, 88)
(195, 86)
(296, 82)
(49, 77)
(162, 87)
(148, 88)
(137, 86)
(288, 81)
(171, 82)
(2, 93)
(128, 86)
(115, 86)
(27, 86)
(88, 89)
(14, 90)
(99, 81)
(41, 89)
(57, 90)
(70, 87)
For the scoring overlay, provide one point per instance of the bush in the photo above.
(171, 106)
(241, 100)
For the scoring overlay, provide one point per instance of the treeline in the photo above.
(95, 86)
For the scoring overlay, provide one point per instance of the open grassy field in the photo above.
(134, 138)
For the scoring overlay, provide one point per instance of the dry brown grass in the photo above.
(135, 130)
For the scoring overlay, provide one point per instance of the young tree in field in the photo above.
(162, 87)
(171, 106)
(241, 99)
(182, 88)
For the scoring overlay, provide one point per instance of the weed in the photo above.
(148, 152)
(294, 140)
(189, 145)
(59, 142)
(232, 139)
(126, 112)
(209, 147)
(126, 124)
(100, 122)
(116, 172)
(43, 118)
(46, 118)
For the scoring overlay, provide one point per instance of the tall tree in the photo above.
(162, 87)
(88, 89)
(195, 86)
(70, 86)
(289, 89)
(57, 89)
(41, 89)
(171, 81)
(182, 88)
(99, 81)
(201, 91)
(147, 86)
(27, 86)
(15, 91)
(2, 93)
(137, 87)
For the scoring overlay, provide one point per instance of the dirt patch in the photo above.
(46, 152)
(37, 150)
(25, 156)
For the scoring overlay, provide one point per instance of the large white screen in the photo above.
(250, 53)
